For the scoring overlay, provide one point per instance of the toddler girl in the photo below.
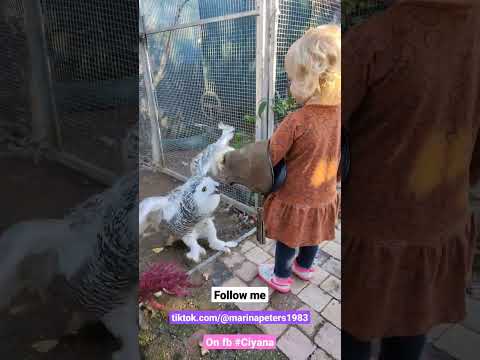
(303, 212)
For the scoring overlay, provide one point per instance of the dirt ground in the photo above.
(34, 192)
(162, 341)
(179, 161)
(181, 342)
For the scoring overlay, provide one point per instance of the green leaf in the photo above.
(262, 107)
(291, 102)
(237, 141)
(250, 119)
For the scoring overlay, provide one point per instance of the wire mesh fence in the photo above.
(14, 108)
(95, 76)
(203, 73)
(204, 57)
(145, 153)
(88, 52)
(161, 14)
(295, 17)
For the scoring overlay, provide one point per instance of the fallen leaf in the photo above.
(206, 276)
(155, 305)
(157, 250)
(45, 345)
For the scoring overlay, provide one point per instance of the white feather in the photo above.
(151, 211)
(204, 163)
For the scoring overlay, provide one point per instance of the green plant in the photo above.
(250, 119)
(281, 107)
(240, 139)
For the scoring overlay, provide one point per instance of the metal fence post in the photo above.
(267, 24)
(44, 124)
(158, 157)
(273, 10)
(266, 67)
(262, 69)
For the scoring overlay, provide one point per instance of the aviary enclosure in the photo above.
(68, 95)
(68, 85)
(203, 62)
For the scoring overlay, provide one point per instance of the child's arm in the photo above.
(283, 138)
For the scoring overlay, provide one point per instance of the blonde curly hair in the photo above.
(313, 65)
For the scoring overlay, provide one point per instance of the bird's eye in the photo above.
(204, 189)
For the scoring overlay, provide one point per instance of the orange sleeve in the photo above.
(284, 137)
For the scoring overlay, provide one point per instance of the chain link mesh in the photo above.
(93, 51)
(166, 13)
(14, 90)
(202, 75)
(205, 73)
(144, 125)
(296, 17)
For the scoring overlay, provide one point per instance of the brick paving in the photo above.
(295, 344)
(459, 341)
(456, 341)
(319, 340)
(247, 271)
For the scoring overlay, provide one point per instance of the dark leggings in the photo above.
(392, 348)
(284, 256)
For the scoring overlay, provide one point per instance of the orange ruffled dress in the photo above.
(304, 211)
(411, 84)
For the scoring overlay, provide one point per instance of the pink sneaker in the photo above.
(265, 272)
(301, 272)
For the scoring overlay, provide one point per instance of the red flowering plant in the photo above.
(166, 277)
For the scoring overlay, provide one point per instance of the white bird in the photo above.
(206, 163)
(187, 211)
(94, 250)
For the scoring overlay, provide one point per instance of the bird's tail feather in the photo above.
(20, 242)
(227, 133)
(147, 207)
(225, 128)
